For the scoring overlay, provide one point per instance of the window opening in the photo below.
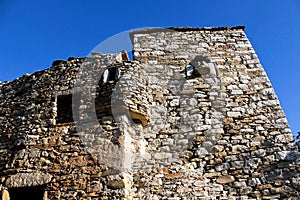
(111, 74)
(64, 109)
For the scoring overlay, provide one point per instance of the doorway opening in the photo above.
(32, 193)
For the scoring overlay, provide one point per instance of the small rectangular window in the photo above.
(189, 71)
(111, 75)
(64, 109)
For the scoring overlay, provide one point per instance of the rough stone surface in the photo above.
(225, 179)
(5, 195)
(28, 179)
(172, 133)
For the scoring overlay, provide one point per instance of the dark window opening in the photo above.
(191, 71)
(198, 67)
(111, 75)
(64, 109)
(32, 193)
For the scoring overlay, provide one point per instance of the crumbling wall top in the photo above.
(182, 29)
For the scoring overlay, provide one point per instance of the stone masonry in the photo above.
(193, 116)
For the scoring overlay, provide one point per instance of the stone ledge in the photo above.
(28, 179)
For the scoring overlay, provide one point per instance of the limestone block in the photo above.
(28, 179)
(5, 195)
(225, 179)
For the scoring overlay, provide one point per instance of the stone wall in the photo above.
(252, 153)
(194, 116)
(36, 150)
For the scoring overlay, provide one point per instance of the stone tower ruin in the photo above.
(192, 116)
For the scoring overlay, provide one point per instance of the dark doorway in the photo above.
(32, 193)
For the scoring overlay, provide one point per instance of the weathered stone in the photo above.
(28, 179)
(288, 155)
(5, 195)
(212, 174)
(225, 179)
(245, 190)
(194, 116)
(228, 120)
(277, 196)
(234, 114)
(173, 176)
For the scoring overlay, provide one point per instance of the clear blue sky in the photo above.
(33, 33)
